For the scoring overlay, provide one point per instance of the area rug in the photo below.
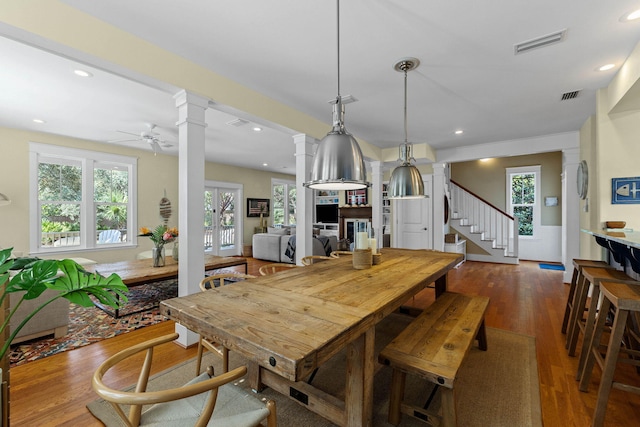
(497, 388)
(551, 266)
(88, 325)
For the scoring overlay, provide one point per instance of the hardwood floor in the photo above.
(524, 299)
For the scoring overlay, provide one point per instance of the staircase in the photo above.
(485, 225)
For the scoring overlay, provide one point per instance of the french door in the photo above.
(223, 219)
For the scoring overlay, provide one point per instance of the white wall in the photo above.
(547, 248)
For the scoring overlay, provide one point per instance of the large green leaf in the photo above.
(34, 279)
(77, 285)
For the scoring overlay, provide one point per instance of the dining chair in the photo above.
(206, 397)
(275, 267)
(310, 259)
(210, 282)
(338, 254)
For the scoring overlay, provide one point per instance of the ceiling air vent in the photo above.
(543, 41)
(570, 95)
(237, 122)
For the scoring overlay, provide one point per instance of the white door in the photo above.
(413, 221)
(222, 236)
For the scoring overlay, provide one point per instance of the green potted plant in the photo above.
(33, 277)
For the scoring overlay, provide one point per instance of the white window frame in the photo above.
(88, 160)
(288, 184)
(537, 212)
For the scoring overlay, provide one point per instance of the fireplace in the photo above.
(348, 215)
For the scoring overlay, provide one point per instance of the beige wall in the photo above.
(487, 179)
(609, 144)
(156, 173)
(616, 155)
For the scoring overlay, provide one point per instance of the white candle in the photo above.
(373, 246)
(362, 240)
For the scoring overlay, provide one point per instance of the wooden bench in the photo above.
(433, 347)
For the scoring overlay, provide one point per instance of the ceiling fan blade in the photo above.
(129, 133)
(124, 140)
(155, 146)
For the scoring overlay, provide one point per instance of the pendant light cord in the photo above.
(338, 50)
(406, 137)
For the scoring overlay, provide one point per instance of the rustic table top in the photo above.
(293, 321)
(140, 271)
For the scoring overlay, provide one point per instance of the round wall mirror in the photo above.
(583, 179)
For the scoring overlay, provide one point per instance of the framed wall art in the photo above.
(625, 191)
(255, 207)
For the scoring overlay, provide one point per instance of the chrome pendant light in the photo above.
(406, 181)
(338, 163)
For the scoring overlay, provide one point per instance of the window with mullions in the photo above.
(80, 199)
(284, 202)
(523, 198)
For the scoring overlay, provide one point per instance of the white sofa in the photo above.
(272, 246)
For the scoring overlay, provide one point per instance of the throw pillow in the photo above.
(279, 231)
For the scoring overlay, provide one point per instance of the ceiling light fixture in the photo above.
(631, 16)
(406, 181)
(257, 129)
(606, 67)
(39, 121)
(82, 73)
(459, 132)
(338, 163)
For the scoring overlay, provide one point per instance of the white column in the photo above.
(376, 201)
(304, 196)
(439, 187)
(570, 211)
(191, 139)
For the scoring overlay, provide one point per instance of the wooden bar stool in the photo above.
(578, 265)
(626, 300)
(591, 277)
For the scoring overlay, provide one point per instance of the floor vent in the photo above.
(543, 41)
(570, 95)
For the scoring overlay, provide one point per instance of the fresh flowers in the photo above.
(160, 235)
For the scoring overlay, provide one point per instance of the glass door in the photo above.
(221, 236)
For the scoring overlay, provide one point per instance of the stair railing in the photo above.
(493, 223)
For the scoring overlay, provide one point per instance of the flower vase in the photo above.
(157, 255)
(174, 252)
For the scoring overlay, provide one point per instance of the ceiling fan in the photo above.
(148, 136)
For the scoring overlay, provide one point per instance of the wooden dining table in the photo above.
(290, 323)
(141, 271)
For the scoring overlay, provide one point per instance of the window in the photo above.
(80, 199)
(284, 202)
(523, 200)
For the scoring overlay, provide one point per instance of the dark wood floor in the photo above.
(524, 299)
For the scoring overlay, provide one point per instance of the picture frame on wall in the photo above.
(255, 207)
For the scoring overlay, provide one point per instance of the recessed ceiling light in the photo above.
(486, 159)
(82, 73)
(39, 121)
(606, 67)
(265, 164)
(631, 16)
(257, 129)
(459, 132)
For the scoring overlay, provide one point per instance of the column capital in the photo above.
(185, 97)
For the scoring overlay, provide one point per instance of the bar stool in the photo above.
(626, 300)
(592, 277)
(578, 265)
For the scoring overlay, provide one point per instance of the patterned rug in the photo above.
(90, 324)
